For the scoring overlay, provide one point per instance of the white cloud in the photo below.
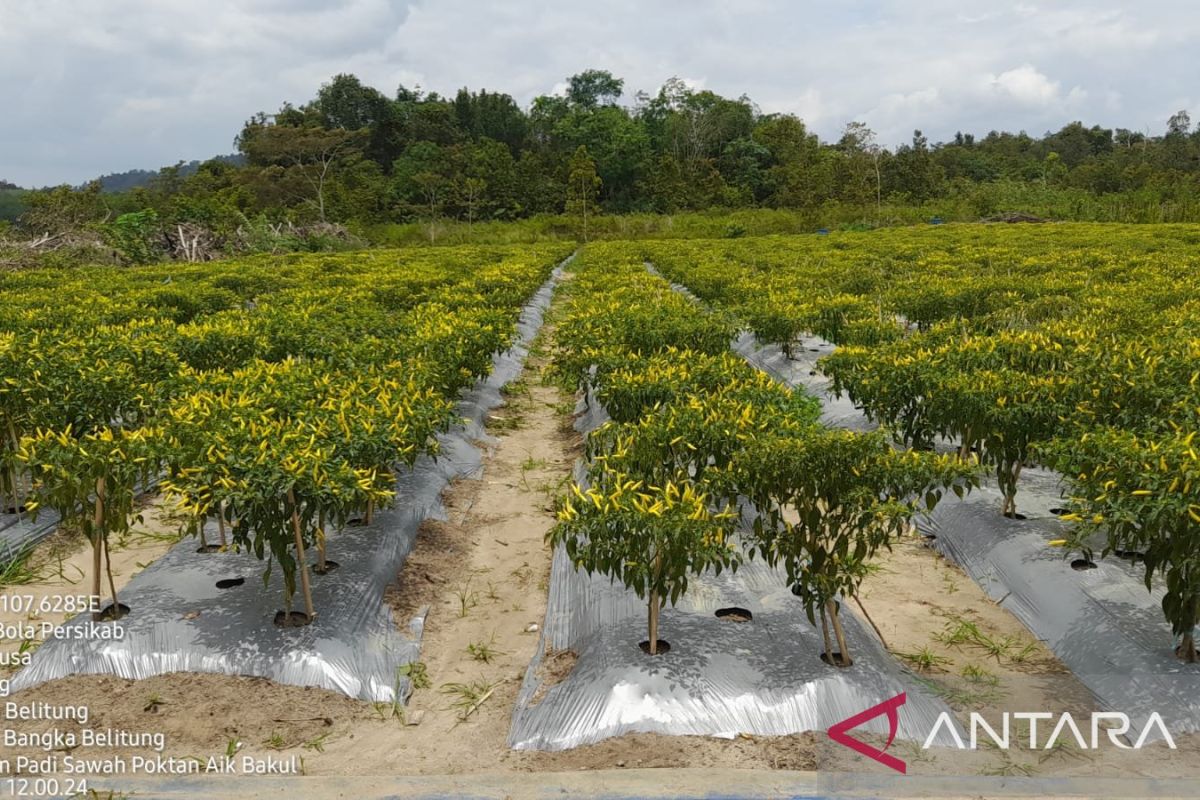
(913, 103)
(1026, 85)
(92, 87)
(809, 105)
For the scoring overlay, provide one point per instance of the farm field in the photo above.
(242, 386)
(1073, 347)
(262, 410)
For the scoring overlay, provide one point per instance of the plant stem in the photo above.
(97, 524)
(321, 542)
(1010, 491)
(1187, 647)
(112, 585)
(878, 633)
(300, 557)
(221, 522)
(825, 634)
(839, 633)
(653, 622)
(654, 605)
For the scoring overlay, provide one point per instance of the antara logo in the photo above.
(889, 707)
(1064, 727)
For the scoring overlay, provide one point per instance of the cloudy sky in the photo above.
(95, 86)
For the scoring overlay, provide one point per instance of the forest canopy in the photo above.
(360, 157)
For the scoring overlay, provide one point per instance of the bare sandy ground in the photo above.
(928, 611)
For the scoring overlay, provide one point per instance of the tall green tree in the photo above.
(801, 171)
(912, 172)
(594, 88)
(583, 188)
(861, 171)
(307, 157)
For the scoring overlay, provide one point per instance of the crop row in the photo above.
(276, 395)
(697, 437)
(1073, 347)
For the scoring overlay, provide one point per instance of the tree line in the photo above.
(356, 155)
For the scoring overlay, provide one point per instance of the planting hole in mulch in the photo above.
(297, 619)
(357, 522)
(663, 647)
(813, 350)
(15, 510)
(229, 583)
(812, 372)
(838, 660)
(1058, 512)
(209, 548)
(734, 614)
(329, 567)
(1017, 515)
(1081, 564)
(107, 614)
(1132, 555)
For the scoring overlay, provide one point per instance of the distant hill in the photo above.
(12, 203)
(124, 181)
